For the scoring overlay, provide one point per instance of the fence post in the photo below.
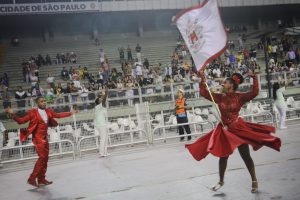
(31, 103)
(140, 95)
(172, 92)
(259, 81)
(285, 77)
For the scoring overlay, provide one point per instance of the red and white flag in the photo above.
(203, 32)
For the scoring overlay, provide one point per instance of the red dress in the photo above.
(221, 142)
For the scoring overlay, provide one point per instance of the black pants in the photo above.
(182, 120)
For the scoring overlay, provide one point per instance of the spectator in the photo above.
(102, 56)
(158, 82)
(122, 53)
(196, 81)
(5, 80)
(120, 85)
(73, 91)
(291, 56)
(76, 81)
(178, 77)
(146, 63)
(168, 71)
(274, 51)
(38, 91)
(86, 74)
(138, 50)
(20, 95)
(49, 97)
(2, 140)
(58, 91)
(33, 79)
(26, 73)
(48, 60)
(100, 77)
(129, 53)
(138, 71)
(58, 59)
(50, 80)
(129, 93)
(64, 74)
(84, 92)
(240, 42)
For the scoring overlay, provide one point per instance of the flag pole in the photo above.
(213, 100)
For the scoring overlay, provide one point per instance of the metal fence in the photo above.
(27, 152)
(151, 94)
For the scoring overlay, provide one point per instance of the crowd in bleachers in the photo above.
(135, 72)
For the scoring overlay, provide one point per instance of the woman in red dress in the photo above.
(236, 133)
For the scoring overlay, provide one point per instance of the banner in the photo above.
(6, 9)
(203, 32)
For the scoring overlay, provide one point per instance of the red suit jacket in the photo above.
(37, 126)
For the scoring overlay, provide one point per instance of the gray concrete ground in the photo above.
(165, 172)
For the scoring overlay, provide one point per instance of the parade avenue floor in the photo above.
(164, 172)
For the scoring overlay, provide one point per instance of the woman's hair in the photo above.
(276, 86)
(236, 79)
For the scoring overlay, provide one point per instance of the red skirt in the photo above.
(222, 143)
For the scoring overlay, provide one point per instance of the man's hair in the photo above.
(38, 98)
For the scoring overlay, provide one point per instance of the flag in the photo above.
(203, 32)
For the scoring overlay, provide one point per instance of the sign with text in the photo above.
(44, 8)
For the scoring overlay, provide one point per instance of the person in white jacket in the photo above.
(278, 90)
(2, 130)
(100, 122)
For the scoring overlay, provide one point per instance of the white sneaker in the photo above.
(283, 127)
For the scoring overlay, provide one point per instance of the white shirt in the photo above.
(100, 116)
(138, 70)
(77, 84)
(50, 79)
(274, 48)
(44, 115)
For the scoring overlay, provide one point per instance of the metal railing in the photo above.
(164, 135)
(27, 152)
(150, 93)
(263, 114)
(115, 139)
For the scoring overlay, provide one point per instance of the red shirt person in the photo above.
(39, 120)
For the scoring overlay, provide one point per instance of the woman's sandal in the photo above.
(217, 186)
(254, 187)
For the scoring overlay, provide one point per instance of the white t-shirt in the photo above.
(274, 48)
(138, 70)
(77, 84)
(50, 79)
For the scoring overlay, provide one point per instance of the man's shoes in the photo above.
(32, 182)
(189, 138)
(181, 140)
(44, 182)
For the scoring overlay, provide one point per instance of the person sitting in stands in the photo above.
(64, 74)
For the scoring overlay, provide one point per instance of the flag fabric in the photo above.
(203, 31)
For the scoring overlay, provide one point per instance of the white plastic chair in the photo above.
(170, 121)
(212, 118)
(198, 111)
(205, 111)
(198, 119)
(54, 136)
(87, 127)
(290, 102)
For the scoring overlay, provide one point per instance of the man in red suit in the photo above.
(39, 120)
